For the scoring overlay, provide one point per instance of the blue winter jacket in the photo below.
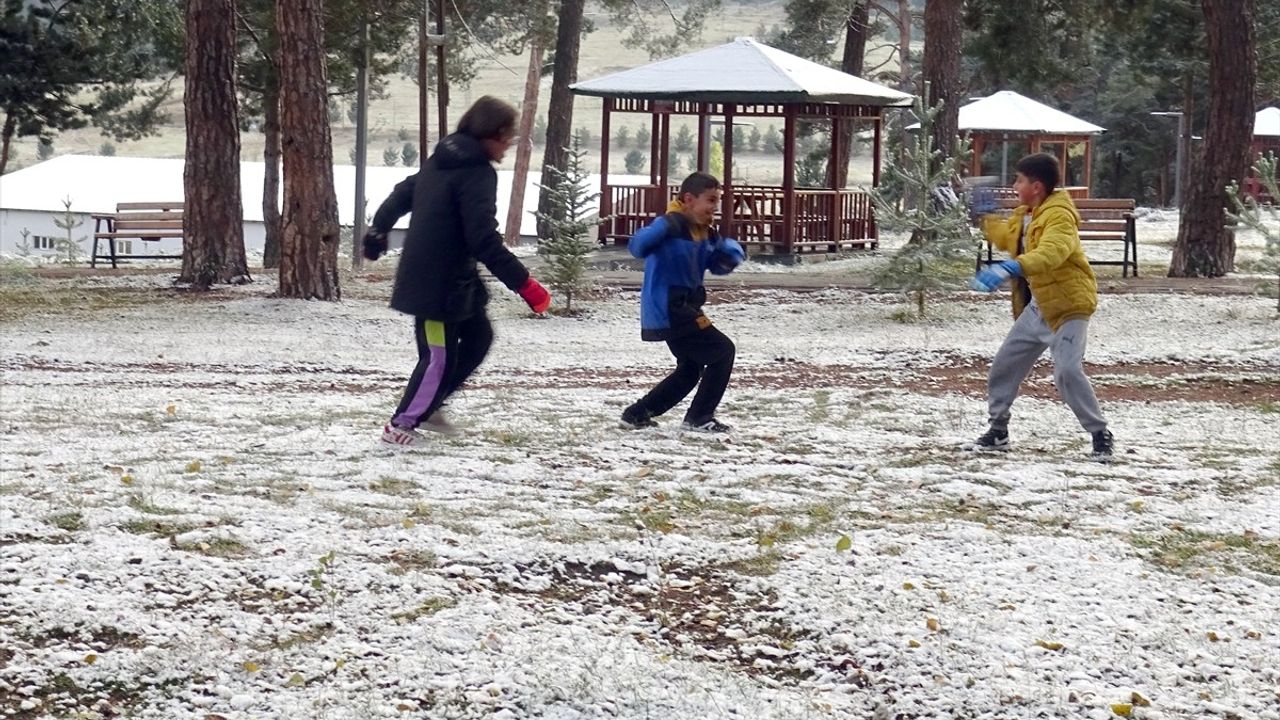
(673, 293)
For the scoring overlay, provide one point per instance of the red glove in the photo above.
(536, 295)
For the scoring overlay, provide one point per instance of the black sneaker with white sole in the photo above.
(993, 440)
(710, 425)
(637, 417)
(1104, 446)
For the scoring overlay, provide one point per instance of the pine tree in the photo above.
(409, 154)
(567, 244)
(642, 137)
(70, 246)
(772, 140)
(634, 162)
(44, 150)
(390, 157)
(939, 226)
(1262, 219)
(684, 139)
(622, 137)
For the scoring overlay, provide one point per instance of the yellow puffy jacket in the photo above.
(1053, 262)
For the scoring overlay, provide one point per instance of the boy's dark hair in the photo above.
(698, 183)
(488, 119)
(1042, 167)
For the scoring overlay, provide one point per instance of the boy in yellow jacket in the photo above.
(1054, 295)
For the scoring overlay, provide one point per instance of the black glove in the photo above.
(375, 244)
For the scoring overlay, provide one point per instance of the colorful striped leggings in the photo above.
(448, 353)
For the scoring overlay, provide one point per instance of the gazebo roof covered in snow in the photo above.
(743, 71)
(1009, 112)
(1267, 122)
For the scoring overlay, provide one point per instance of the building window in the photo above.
(43, 242)
(124, 247)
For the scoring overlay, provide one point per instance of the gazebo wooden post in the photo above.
(1088, 166)
(979, 146)
(606, 197)
(788, 178)
(833, 228)
(704, 150)
(664, 169)
(726, 182)
(875, 153)
(655, 159)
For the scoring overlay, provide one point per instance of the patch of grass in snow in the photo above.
(821, 406)
(508, 438)
(388, 485)
(304, 637)
(811, 521)
(224, 547)
(19, 300)
(144, 505)
(156, 526)
(762, 564)
(1183, 549)
(411, 560)
(70, 521)
(430, 607)
(1268, 407)
(12, 489)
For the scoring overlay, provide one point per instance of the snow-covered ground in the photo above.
(197, 521)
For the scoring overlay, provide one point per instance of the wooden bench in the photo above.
(1101, 220)
(145, 221)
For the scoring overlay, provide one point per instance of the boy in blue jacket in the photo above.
(678, 248)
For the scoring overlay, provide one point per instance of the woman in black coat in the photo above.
(454, 224)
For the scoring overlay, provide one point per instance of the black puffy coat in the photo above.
(454, 224)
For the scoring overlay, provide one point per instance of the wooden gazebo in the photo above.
(1007, 118)
(744, 79)
(1266, 139)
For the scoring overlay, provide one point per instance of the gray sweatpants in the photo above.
(1025, 344)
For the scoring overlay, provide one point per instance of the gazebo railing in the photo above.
(825, 220)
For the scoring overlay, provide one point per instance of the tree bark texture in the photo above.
(1205, 247)
(560, 112)
(309, 241)
(6, 137)
(943, 38)
(855, 50)
(213, 219)
(271, 173)
(528, 111)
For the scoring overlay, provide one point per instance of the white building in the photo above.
(32, 199)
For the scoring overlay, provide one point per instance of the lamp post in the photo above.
(1184, 140)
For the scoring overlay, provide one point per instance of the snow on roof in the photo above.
(1267, 122)
(96, 184)
(742, 71)
(1007, 111)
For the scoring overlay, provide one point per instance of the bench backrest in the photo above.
(148, 216)
(149, 206)
(1097, 214)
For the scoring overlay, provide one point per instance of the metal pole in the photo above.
(442, 81)
(423, 104)
(1184, 141)
(362, 142)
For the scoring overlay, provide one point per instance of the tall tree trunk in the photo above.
(10, 127)
(1205, 247)
(943, 35)
(904, 46)
(309, 244)
(560, 111)
(271, 174)
(528, 111)
(213, 220)
(855, 50)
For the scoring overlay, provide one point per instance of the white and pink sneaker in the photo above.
(392, 435)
